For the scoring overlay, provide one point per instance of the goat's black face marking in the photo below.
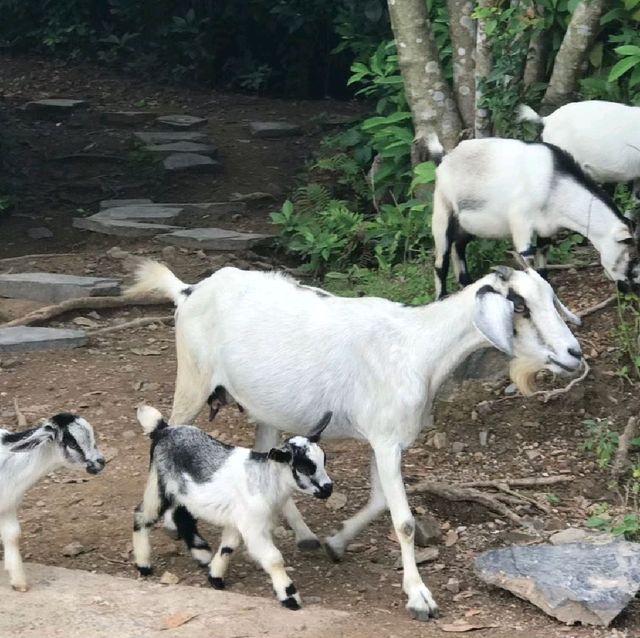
(187, 291)
(226, 550)
(64, 419)
(519, 304)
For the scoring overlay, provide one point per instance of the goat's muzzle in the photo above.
(95, 467)
(324, 491)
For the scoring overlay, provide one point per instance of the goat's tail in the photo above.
(150, 419)
(436, 150)
(152, 276)
(527, 114)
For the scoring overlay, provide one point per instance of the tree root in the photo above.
(534, 481)
(135, 323)
(82, 303)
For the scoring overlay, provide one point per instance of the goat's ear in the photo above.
(623, 235)
(43, 434)
(565, 313)
(314, 436)
(279, 456)
(493, 317)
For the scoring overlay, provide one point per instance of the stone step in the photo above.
(143, 213)
(191, 163)
(121, 228)
(182, 147)
(168, 137)
(54, 287)
(28, 339)
(274, 129)
(214, 239)
(181, 121)
(206, 207)
(55, 106)
(113, 203)
(127, 118)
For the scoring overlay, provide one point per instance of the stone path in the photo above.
(29, 339)
(65, 603)
(53, 287)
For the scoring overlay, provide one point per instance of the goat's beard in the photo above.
(523, 374)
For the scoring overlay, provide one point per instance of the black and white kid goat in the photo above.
(26, 457)
(603, 137)
(498, 188)
(287, 353)
(232, 487)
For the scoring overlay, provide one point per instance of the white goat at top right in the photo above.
(603, 137)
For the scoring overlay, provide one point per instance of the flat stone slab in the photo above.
(70, 603)
(142, 213)
(274, 129)
(575, 582)
(121, 228)
(183, 147)
(191, 163)
(128, 118)
(29, 339)
(57, 106)
(115, 203)
(214, 239)
(54, 288)
(168, 137)
(181, 121)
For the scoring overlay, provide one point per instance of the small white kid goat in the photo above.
(498, 188)
(603, 137)
(287, 353)
(26, 457)
(240, 490)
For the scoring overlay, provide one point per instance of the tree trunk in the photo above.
(484, 61)
(534, 67)
(579, 38)
(434, 111)
(462, 29)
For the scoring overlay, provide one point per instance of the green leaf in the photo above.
(628, 49)
(595, 55)
(621, 67)
(596, 522)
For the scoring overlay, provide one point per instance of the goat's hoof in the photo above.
(334, 555)
(290, 603)
(421, 605)
(20, 587)
(144, 570)
(216, 583)
(309, 544)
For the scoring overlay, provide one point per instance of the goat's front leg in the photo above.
(10, 532)
(229, 542)
(521, 235)
(337, 544)
(543, 244)
(261, 548)
(267, 438)
(144, 517)
(389, 461)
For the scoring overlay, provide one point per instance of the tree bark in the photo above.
(462, 29)
(534, 67)
(578, 39)
(434, 111)
(484, 61)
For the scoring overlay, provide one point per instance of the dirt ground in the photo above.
(105, 380)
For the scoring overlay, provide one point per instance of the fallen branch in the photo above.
(522, 498)
(609, 301)
(535, 481)
(83, 303)
(135, 323)
(624, 442)
(570, 266)
(452, 493)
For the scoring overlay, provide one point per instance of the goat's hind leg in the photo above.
(10, 532)
(187, 530)
(267, 438)
(144, 517)
(229, 542)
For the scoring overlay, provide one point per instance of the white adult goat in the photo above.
(287, 353)
(603, 137)
(498, 188)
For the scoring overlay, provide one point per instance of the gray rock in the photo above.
(183, 147)
(140, 213)
(127, 118)
(576, 582)
(181, 121)
(121, 228)
(453, 585)
(214, 239)
(190, 163)
(115, 203)
(168, 137)
(457, 447)
(439, 440)
(428, 530)
(27, 339)
(336, 501)
(53, 288)
(39, 232)
(256, 196)
(274, 129)
(422, 556)
(75, 548)
(577, 535)
(55, 106)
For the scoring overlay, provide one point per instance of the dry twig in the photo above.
(624, 442)
(135, 323)
(20, 418)
(550, 394)
(83, 303)
(609, 301)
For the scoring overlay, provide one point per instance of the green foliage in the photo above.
(602, 441)
(627, 337)
(145, 164)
